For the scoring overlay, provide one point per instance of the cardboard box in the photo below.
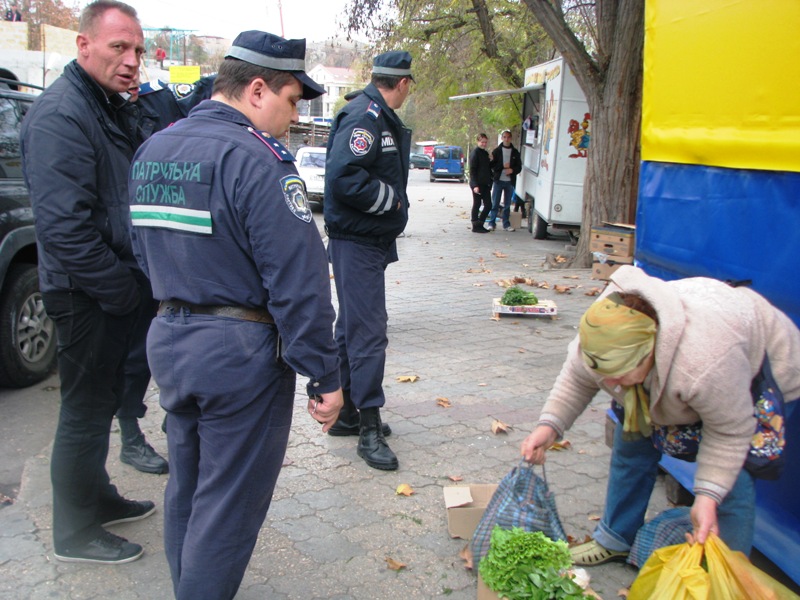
(484, 593)
(465, 506)
(604, 270)
(612, 241)
(515, 218)
(545, 308)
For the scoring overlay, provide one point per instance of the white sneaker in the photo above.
(509, 229)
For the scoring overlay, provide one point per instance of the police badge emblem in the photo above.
(294, 192)
(361, 141)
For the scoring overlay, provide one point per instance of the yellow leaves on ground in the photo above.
(595, 291)
(455, 478)
(499, 427)
(594, 517)
(404, 490)
(393, 564)
(499, 254)
(466, 556)
(443, 402)
(562, 289)
(562, 445)
(407, 378)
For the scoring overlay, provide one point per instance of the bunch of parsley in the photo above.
(515, 296)
(523, 564)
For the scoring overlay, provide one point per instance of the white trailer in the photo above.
(556, 133)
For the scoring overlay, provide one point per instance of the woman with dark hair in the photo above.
(678, 358)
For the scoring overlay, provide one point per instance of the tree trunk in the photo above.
(613, 92)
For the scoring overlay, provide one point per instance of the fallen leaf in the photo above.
(499, 254)
(477, 285)
(581, 451)
(595, 291)
(561, 259)
(543, 285)
(466, 556)
(500, 427)
(482, 384)
(570, 277)
(562, 445)
(623, 593)
(393, 564)
(443, 402)
(455, 478)
(594, 517)
(408, 378)
(404, 490)
(495, 318)
(522, 351)
(562, 289)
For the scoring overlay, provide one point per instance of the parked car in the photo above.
(27, 334)
(310, 163)
(419, 161)
(448, 163)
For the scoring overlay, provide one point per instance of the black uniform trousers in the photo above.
(92, 345)
(360, 331)
(229, 398)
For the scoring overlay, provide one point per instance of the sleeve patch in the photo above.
(294, 192)
(361, 141)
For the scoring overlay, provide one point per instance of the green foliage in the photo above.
(459, 47)
(515, 296)
(528, 565)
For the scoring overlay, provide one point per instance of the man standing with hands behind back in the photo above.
(366, 208)
(76, 156)
(506, 165)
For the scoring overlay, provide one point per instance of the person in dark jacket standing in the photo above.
(76, 153)
(506, 165)
(366, 208)
(222, 226)
(480, 182)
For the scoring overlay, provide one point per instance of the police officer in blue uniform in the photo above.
(222, 226)
(366, 208)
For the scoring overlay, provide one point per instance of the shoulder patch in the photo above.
(294, 193)
(373, 110)
(361, 141)
(154, 85)
(274, 145)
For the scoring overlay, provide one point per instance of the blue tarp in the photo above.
(732, 224)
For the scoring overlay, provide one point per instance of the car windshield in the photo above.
(313, 159)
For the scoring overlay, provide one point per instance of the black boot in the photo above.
(372, 445)
(348, 422)
(477, 227)
(136, 451)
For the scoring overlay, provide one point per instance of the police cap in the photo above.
(396, 62)
(274, 52)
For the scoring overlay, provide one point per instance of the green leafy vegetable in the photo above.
(523, 564)
(514, 296)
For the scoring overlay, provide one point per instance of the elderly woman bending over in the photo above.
(678, 358)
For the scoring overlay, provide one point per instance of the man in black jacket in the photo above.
(77, 148)
(366, 208)
(480, 182)
(506, 165)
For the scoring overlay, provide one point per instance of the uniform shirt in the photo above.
(366, 172)
(220, 218)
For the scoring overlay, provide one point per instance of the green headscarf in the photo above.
(615, 339)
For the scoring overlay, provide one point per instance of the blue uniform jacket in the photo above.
(75, 163)
(366, 172)
(220, 218)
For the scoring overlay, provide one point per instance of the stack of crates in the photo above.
(611, 247)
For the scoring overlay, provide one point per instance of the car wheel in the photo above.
(539, 227)
(27, 335)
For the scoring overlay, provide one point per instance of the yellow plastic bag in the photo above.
(732, 575)
(676, 573)
(672, 573)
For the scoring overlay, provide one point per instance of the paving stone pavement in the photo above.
(333, 520)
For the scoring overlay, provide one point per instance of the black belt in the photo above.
(257, 315)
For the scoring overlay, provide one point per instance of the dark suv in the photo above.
(27, 335)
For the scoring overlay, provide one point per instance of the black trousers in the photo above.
(92, 345)
(136, 372)
(483, 197)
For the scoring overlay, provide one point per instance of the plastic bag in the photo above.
(675, 573)
(521, 500)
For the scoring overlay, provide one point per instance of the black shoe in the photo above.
(349, 422)
(106, 549)
(479, 229)
(141, 456)
(125, 511)
(372, 446)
